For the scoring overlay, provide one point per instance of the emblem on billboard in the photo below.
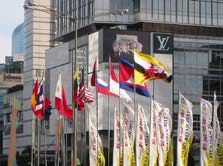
(125, 44)
(163, 43)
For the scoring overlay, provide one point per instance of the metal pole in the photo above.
(97, 117)
(75, 110)
(33, 141)
(120, 124)
(109, 124)
(45, 138)
(38, 146)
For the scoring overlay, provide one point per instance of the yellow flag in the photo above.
(147, 68)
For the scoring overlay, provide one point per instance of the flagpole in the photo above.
(44, 120)
(45, 137)
(33, 138)
(63, 139)
(38, 143)
(120, 133)
(75, 110)
(109, 127)
(85, 137)
(97, 114)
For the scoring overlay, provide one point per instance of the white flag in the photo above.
(142, 138)
(128, 133)
(216, 134)
(164, 129)
(185, 130)
(153, 156)
(206, 132)
(95, 146)
(117, 143)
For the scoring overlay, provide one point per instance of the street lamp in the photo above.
(75, 20)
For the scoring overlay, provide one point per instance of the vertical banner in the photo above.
(13, 127)
(95, 146)
(128, 133)
(206, 132)
(185, 130)
(217, 158)
(117, 144)
(142, 138)
(164, 129)
(153, 155)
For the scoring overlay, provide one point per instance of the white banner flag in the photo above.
(96, 148)
(128, 133)
(164, 129)
(206, 132)
(217, 158)
(185, 130)
(117, 143)
(153, 155)
(142, 138)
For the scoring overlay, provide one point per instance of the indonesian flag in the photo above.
(114, 85)
(61, 101)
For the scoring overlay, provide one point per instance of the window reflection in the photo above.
(198, 70)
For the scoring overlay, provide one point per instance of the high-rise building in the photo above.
(18, 43)
(195, 61)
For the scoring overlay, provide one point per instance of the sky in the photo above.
(11, 15)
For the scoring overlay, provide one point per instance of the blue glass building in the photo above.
(18, 43)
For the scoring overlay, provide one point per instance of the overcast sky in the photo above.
(11, 15)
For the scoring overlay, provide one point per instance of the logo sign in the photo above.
(163, 43)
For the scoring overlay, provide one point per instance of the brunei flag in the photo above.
(126, 70)
(147, 68)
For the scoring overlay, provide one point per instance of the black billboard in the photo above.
(122, 42)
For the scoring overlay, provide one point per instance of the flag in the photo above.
(164, 129)
(33, 97)
(147, 68)
(142, 141)
(61, 101)
(75, 86)
(206, 132)
(217, 158)
(84, 94)
(153, 154)
(128, 136)
(126, 71)
(101, 86)
(47, 111)
(185, 130)
(95, 146)
(114, 85)
(39, 102)
(117, 138)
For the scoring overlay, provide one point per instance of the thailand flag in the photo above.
(101, 86)
(40, 101)
(126, 70)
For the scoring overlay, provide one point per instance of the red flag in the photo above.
(33, 97)
(61, 101)
(84, 94)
